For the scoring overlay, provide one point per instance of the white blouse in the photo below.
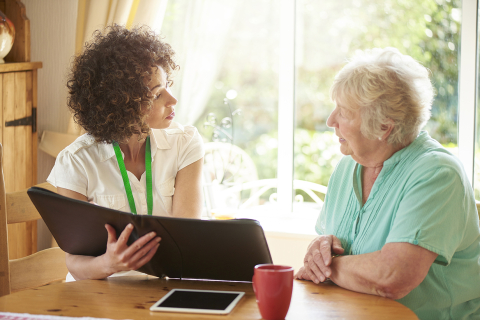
(91, 169)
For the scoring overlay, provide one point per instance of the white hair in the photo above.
(387, 87)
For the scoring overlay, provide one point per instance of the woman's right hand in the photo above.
(318, 259)
(121, 257)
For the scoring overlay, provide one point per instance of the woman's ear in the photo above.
(387, 129)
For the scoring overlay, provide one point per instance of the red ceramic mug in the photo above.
(273, 286)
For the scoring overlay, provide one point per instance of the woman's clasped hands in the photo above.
(318, 260)
(121, 257)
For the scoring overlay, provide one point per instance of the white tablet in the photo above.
(198, 301)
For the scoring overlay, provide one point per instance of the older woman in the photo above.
(399, 218)
(133, 157)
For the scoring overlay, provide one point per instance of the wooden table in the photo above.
(131, 298)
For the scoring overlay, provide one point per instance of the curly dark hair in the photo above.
(108, 92)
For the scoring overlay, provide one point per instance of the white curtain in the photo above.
(100, 13)
(199, 41)
(151, 13)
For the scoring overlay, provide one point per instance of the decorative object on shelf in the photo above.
(7, 36)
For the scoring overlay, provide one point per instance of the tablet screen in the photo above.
(202, 301)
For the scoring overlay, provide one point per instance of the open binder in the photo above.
(190, 248)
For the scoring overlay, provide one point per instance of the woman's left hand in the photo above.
(319, 257)
(302, 275)
(122, 257)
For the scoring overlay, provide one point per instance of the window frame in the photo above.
(468, 86)
(286, 107)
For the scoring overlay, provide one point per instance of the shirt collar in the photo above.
(105, 151)
(158, 140)
(389, 164)
(159, 137)
(408, 150)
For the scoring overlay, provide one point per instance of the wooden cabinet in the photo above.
(18, 118)
(18, 135)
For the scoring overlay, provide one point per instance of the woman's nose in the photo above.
(172, 101)
(332, 121)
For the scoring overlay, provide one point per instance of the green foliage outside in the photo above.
(430, 35)
(427, 30)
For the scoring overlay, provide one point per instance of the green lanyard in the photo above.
(126, 181)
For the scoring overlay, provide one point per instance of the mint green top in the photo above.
(422, 196)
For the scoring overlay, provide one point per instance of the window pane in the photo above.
(476, 168)
(228, 88)
(329, 32)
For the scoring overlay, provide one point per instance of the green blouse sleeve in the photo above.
(433, 212)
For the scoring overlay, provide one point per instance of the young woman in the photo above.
(133, 157)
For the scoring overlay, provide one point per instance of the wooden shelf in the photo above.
(19, 66)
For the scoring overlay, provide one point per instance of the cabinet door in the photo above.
(19, 158)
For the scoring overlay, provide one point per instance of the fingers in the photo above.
(325, 256)
(337, 245)
(121, 257)
(141, 244)
(308, 272)
(301, 275)
(298, 275)
(319, 257)
(147, 257)
(123, 239)
(317, 267)
(142, 249)
(112, 234)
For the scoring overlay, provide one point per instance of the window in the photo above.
(228, 88)
(255, 78)
(328, 33)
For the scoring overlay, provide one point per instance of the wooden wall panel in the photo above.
(34, 149)
(27, 243)
(9, 151)
(4, 265)
(9, 132)
(28, 133)
(23, 235)
(35, 134)
(31, 227)
(17, 101)
(20, 131)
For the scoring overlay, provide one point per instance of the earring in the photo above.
(380, 138)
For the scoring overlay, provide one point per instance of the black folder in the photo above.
(189, 249)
